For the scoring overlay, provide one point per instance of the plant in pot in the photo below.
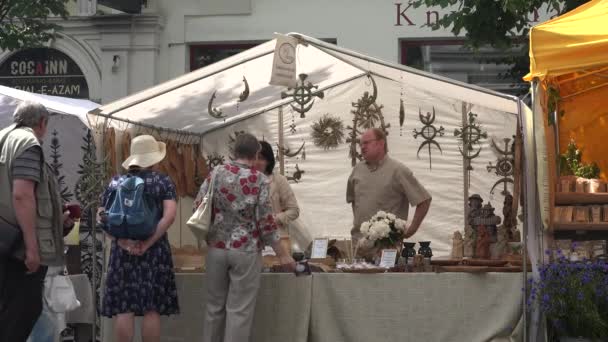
(573, 296)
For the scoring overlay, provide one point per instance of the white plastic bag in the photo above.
(60, 295)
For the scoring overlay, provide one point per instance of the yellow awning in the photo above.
(571, 42)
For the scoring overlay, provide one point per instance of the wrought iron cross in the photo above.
(428, 132)
(304, 95)
(505, 165)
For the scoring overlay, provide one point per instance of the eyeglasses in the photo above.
(367, 142)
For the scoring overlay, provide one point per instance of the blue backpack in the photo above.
(131, 213)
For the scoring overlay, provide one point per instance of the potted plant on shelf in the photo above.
(573, 296)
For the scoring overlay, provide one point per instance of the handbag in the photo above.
(10, 235)
(59, 294)
(200, 222)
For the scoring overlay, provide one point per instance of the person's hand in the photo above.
(67, 220)
(32, 260)
(143, 246)
(288, 263)
(128, 245)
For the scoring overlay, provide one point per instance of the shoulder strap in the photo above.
(211, 182)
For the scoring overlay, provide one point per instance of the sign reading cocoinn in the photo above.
(44, 71)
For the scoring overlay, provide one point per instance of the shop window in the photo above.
(202, 55)
(450, 59)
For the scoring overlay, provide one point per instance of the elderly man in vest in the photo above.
(29, 200)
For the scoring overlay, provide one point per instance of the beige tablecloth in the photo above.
(337, 307)
(282, 310)
(416, 307)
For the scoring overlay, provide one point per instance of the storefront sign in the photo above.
(44, 71)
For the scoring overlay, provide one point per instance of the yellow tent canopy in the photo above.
(569, 55)
(571, 42)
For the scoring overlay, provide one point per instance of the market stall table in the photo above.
(365, 307)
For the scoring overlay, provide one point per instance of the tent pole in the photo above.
(584, 91)
(524, 241)
(145, 125)
(465, 172)
(281, 157)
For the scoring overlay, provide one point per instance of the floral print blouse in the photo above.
(242, 214)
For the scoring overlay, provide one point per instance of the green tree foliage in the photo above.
(23, 23)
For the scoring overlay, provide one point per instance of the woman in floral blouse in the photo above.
(243, 223)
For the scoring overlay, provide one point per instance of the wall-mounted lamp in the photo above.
(115, 63)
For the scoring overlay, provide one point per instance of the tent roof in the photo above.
(54, 104)
(181, 104)
(570, 42)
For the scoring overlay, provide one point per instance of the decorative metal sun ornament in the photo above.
(428, 132)
(214, 112)
(505, 165)
(304, 95)
(470, 137)
(328, 132)
(366, 114)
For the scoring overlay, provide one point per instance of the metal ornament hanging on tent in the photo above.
(366, 114)
(297, 175)
(428, 132)
(292, 127)
(214, 112)
(328, 131)
(215, 159)
(401, 107)
(304, 95)
(244, 94)
(505, 165)
(470, 136)
(286, 151)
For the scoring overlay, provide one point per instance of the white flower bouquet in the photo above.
(383, 230)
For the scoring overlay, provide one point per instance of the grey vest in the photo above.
(49, 225)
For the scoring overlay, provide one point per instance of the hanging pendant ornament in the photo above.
(428, 132)
(214, 112)
(297, 175)
(366, 114)
(304, 150)
(245, 94)
(402, 116)
(303, 95)
(505, 165)
(470, 136)
(286, 151)
(292, 127)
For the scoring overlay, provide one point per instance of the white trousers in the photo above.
(233, 281)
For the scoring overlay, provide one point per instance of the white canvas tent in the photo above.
(180, 106)
(68, 124)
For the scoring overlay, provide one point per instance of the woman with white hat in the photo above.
(140, 279)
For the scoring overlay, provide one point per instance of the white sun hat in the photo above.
(145, 152)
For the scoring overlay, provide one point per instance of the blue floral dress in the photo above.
(137, 284)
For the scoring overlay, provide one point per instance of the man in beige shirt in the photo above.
(382, 183)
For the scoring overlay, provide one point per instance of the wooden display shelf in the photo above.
(574, 198)
(574, 226)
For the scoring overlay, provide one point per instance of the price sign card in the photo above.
(319, 248)
(387, 260)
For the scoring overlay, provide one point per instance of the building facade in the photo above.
(103, 54)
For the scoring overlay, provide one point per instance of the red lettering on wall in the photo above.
(401, 15)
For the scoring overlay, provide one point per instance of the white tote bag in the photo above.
(59, 294)
(200, 221)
